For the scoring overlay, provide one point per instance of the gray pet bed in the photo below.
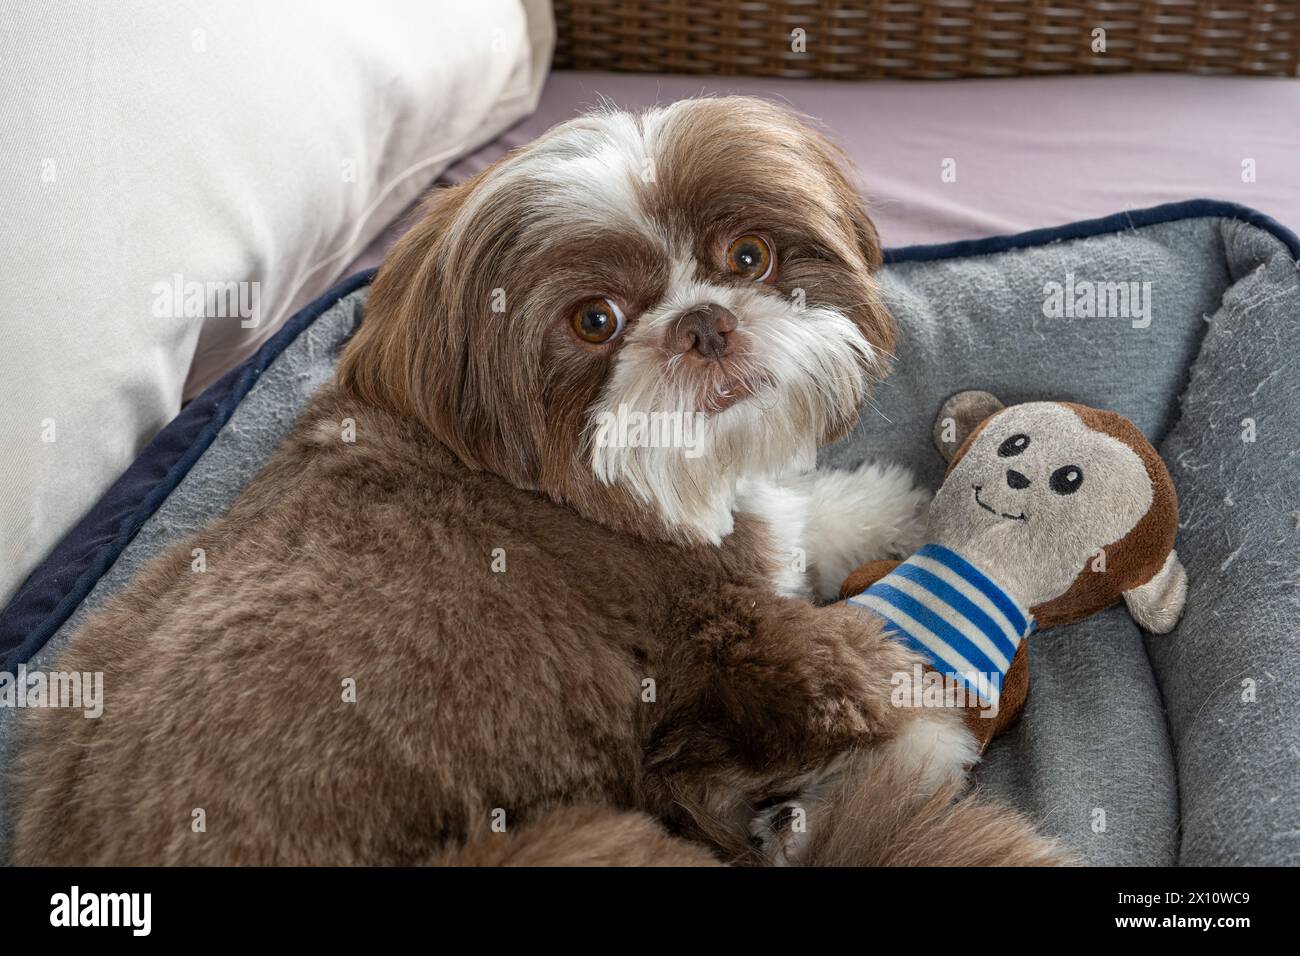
(1134, 750)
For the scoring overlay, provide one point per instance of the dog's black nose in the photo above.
(703, 332)
(1016, 480)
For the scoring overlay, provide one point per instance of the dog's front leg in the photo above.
(758, 699)
(848, 518)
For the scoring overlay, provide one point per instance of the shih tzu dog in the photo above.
(533, 581)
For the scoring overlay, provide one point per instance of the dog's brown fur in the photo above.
(475, 690)
(580, 835)
(616, 674)
(873, 817)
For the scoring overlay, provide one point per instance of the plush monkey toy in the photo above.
(1049, 512)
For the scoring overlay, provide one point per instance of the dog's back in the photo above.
(378, 656)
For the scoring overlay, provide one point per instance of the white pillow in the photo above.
(184, 176)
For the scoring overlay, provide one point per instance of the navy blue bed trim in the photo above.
(1118, 222)
(63, 580)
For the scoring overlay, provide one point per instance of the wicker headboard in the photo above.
(942, 39)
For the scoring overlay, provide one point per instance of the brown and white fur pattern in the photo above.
(642, 678)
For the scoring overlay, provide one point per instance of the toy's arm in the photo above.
(959, 637)
(865, 576)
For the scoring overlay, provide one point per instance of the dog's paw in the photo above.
(873, 512)
(779, 833)
(938, 751)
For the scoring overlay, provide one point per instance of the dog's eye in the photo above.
(751, 256)
(1066, 481)
(597, 321)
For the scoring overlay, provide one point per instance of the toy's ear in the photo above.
(1158, 604)
(960, 416)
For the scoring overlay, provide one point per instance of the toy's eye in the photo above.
(597, 321)
(1066, 480)
(1013, 446)
(752, 257)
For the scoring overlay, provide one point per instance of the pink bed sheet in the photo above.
(1027, 153)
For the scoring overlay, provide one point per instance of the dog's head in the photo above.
(635, 311)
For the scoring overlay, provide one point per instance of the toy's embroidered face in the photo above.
(1038, 494)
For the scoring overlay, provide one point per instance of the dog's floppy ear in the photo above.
(384, 362)
(840, 174)
(414, 352)
(959, 419)
(1158, 604)
(868, 237)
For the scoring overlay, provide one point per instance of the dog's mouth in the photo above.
(722, 397)
(993, 511)
(717, 397)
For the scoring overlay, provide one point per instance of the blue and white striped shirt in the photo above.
(950, 611)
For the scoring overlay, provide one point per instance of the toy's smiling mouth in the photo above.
(1000, 514)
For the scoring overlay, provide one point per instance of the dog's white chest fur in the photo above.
(784, 507)
(826, 523)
